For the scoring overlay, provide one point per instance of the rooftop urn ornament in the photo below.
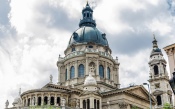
(51, 77)
(19, 91)
(6, 104)
(172, 82)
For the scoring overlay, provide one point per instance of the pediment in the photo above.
(140, 92)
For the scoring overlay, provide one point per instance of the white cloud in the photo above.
(161, 26)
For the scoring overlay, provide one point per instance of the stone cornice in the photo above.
(126, 91)
(170, 49)
(159, 78)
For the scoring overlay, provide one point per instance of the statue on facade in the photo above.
(92, 70)
(77, 104)
(6, 104)
(51, 77)
(63, 102)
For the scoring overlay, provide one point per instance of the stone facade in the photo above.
(170, 51)
(159, 79)
(88, 76)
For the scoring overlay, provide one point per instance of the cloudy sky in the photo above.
(34, 32)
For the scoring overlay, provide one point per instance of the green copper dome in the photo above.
(88, 33)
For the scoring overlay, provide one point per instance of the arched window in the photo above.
(66, 75)
(98, 104)
(84, 104)
(52, 101)
(72, 72)
(81, 70)
(95, 104)
(108, 73)
(45, 100)
(156, 70)
(34, 101)
(58, 101)
(84, 14)
(159, 100)
(101, 71)
(88, 104)
(28, 102)
(87, 14)
(39, 101)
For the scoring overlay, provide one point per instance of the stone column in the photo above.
(91, 102)
(76, 69)
(87, 73)
(42, 99)
(151, 72)
(118, 77)
(111, 73)
(105, 71)
(36, 99)
(68, 72)
(81, 104)
(97, 68)
(30, 100)
(48, 100)
(26, 101)
(55, 100)
(59, 71)
(100, 103)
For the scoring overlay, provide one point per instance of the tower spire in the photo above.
(154, 41)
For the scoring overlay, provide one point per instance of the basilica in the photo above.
(88, 77)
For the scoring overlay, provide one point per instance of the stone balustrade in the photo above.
(87, 50)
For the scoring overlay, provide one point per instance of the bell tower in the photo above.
(159, 79)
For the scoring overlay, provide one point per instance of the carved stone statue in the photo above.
(92, 70)
(77, 104)
(6, 104)
(63, 102)
(51, 77)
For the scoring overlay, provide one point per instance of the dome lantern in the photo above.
(87, 14)
(156, 50)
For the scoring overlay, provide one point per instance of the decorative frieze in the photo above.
(123, 105)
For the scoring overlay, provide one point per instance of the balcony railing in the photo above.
(88, 50)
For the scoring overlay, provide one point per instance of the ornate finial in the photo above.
(6, 104)
(154, 35)
(51, 77)
(154, 41)
(19, 91)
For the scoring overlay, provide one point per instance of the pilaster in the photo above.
(87, 66)
(68, 71)
(76, 69)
